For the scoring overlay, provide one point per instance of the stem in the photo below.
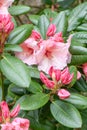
(2, 86)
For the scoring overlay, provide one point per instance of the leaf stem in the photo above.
(2, 85)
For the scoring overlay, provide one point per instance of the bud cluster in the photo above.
(59, 79)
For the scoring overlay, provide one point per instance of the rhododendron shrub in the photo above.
(43, 66)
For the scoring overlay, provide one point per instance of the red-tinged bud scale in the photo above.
(49, 84)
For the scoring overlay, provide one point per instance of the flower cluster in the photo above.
(6, 118)
(59, 79)
(6, 24)
(45, 53)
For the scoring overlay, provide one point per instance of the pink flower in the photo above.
(55, 54)
(28, 54)
(84, 67)
(7, 126)
(17, 124)
(55, 74)
(6, 3)
(57, 37)
(66, 77)
(63, 94)
(35, 35)
(21, 124)
(49, 84)
(51, 30)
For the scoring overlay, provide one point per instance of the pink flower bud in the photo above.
(5, 110)
(84, 67)
(63, 94)
(51, 30)
(78, 75)
(15, 111)
(66, 77)
(55, 73)
(6, 24)
(46, 81)
(35, 35)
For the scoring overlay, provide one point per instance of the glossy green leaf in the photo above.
(19, 9)
(34, 72)
(61, 22)
(15, 70)
(78, 59)
(78, 100)
(34, 19)
(76, 16)
(66, 114)
(34, 101)
(35, 87)
(17, 90)
(81, 85)
(79, 37)
(10, 47)
(20, 34)
(82, 27)
(43, 24)
(78, 50)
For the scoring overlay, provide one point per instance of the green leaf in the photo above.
(10, 47)
(84, 119)
(73, 70)
(34, 19)
(65, 3)
(78, 59)
(50, 13)
(19, 9)
(20, 34)
(78, 100)
(34, 101)
(81, 85)
(76, 16)
(17, 90)
(78, 50)
(43, 24)
(15, 70)
(34, 72)
(79, 37)
(35, 87)
(66, 114)
(82, 27)
(61, 22)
